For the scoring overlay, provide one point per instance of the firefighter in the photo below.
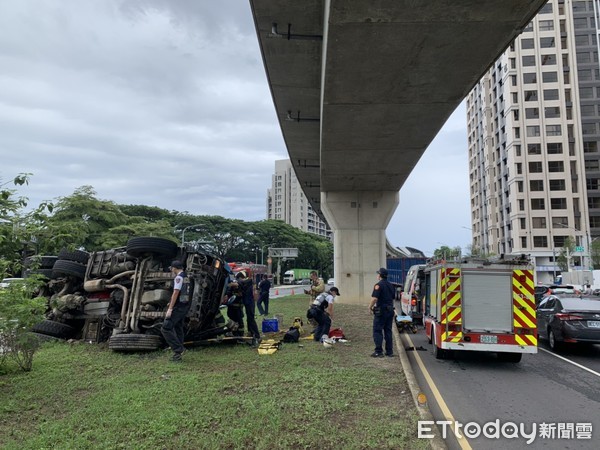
(264, 286)
(233, 300)
(317, 286)
(246, 288)
(382, 308)
(173, 325)
(318, 313)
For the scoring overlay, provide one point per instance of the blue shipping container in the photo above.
(399, 267)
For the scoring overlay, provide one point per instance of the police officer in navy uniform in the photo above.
(173, 325)
(382, 308)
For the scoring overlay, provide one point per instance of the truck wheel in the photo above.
(52, 328)
(134, 342)
(555, 346)
(140, 246)
(63, 267)
(439, 353)
(510, 357)
(75, 255)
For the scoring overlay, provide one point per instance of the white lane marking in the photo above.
(593, 372)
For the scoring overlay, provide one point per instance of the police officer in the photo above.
(382, 308)
(173, 325)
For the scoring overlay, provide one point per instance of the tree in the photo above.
(595, 253)
(564, 255)
(20, 309)
(447, 253)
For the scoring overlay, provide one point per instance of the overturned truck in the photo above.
(121, 295)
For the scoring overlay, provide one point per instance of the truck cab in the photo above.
(413, 296)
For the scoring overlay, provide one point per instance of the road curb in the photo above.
(437, 443)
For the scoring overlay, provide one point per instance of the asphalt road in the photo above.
(542, 388)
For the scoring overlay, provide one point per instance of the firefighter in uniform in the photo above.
(317, 286)
(173, 325)
(382, 308)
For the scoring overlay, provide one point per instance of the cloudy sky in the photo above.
(166, 103)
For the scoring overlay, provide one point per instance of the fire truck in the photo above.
(481, 305)
(252, 271)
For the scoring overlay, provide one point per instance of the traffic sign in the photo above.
(579, 248)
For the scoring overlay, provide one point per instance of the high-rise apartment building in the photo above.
(533, 126)
(286, 201)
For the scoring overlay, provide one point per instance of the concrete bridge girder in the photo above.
(381, 77)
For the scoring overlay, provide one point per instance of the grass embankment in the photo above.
(81, 396)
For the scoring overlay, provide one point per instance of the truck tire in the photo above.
(40, 262)
(134, 342)
(52, 328)
(75, 255)
(140, 246)
(64, 267)
(510, 357)
(439, 353)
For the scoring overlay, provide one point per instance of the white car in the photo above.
(7, 281)
(331, 282)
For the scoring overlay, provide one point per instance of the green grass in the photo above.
(81, 396)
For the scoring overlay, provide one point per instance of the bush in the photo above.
(20, 309)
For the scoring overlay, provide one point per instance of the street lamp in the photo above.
(262, 253)
(187, 228)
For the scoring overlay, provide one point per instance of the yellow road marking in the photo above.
(462, 441)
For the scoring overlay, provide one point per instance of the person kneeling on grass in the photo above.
(321, 311)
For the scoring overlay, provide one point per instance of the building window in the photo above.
(519, 169)
(519, 186)
(559, 241)
(529, 78)
(548, 60)
(590, 147)
(550, 94)
(517, 150)
(592, 164)
(546, 9)
(535, 167)
(588, 128)
(584, 74)
(521, 205)
(592, 184)
(551, 112)
(580, 23)
(531, 96)
(522, 223)
(594, 202)
(553, 130)
(526, 44)
(547, 42)
(588, 110)
(528, 61)
(546, 25)
(549, 77)
(554, 148)
(538, 203)
(538, 222)
(523, 242)
(557, 185)
(558, 203)
(534, 149)
(586, 92)
(532, 113)
(533, 131)
(556, 166)
(536, 185)
(540, 241)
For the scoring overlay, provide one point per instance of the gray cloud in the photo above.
(166, 103)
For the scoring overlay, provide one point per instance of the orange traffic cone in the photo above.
(293, 292)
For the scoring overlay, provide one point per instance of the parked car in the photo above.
(331, 282)
(8, 281)
(563, 319)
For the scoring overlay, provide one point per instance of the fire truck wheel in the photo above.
(52, 328)
(439, 353)
(140, 246)
(134, 342)
(75, 255)
(555, 346)
(510, 357)
(63, 267)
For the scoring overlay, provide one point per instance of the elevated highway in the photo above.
(361, 88)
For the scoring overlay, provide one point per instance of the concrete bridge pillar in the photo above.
(358, 220)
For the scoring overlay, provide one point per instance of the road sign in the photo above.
(579, 248)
